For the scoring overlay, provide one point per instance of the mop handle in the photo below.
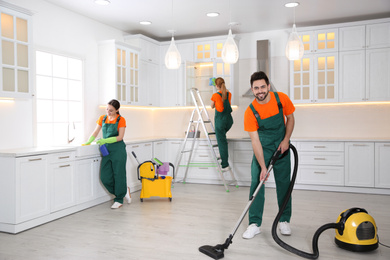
(248, 205)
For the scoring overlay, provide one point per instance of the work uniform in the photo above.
(270, 119)
(223, 121)
(113, 166)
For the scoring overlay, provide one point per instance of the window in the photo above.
(59, 109)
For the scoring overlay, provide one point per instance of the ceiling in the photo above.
(188, 17)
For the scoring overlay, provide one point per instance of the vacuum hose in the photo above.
(281, 243)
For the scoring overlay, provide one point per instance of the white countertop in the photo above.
(93, 149)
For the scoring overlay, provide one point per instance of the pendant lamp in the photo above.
(230, 50)
(294, 47)
(172, 57)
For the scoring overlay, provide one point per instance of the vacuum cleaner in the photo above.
(355, 229)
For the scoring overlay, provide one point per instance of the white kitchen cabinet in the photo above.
(377, 74)
(382, 165)
(118, 73)
(149, 48)
(359, 164)
(172, 86)
(144, 152)
(321, 163)
(378, 35)
(320, 41)
(62, 181)
(160, 151)
(149, 84)
(87, 177)
(314, 78)
(16, 58)
(352, 38)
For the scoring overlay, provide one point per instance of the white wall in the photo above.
(64, 32)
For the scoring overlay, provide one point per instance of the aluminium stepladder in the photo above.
(203, 119)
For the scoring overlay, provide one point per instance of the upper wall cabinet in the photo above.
(149, 48)
(320, 41)
(208, 49)
(365, 62)
(15, 45)
(118, 73)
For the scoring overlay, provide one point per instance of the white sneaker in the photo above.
(226, 169)
(116, 205)
(128, 196)
(284, 228)
(251, 231)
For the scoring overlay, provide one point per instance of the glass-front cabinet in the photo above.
(314, 78)
(15, 44)
(118, 73)
(320, 41)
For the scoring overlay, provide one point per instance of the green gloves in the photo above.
(90, 140)
(108, 140)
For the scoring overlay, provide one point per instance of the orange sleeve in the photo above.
(100, 120)
(122, 122)
(288, 106)
(250, 122)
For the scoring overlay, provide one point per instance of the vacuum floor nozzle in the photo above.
(215, 252)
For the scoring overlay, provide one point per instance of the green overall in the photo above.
(113, 166)
(223, 122)
(271, 133)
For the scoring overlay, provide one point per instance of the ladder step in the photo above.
(207, 121)
(211, 133)
(215, 145)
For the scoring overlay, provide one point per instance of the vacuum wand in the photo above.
(217, 252)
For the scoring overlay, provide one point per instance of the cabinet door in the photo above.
(352, 79)
(62, 186)
(325, 77)
(32, 188)
(149, 84)
(144, 152)
(302, 80)
(378, 35)
(377, 74)
(203, 51)
(86, 172)
(352, 38)
(359, 164)
(160, 151)
(320, 41)
(382, 165)
(16, 58)
(172, 87)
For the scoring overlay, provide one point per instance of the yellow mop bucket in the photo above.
(154, 185)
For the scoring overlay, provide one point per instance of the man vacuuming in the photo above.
(269, 120)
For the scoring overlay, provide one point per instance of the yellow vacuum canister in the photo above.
(357, 231)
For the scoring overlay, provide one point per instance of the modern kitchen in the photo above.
(53, 204)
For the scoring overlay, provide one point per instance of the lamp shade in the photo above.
(172, 57)
(294, 47)
(230, 50)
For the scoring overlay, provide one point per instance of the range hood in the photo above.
(263, 62)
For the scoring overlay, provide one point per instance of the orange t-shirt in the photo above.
(267, 110)
(121, 123)
(218, 100)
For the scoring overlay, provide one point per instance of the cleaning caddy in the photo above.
(155, 179)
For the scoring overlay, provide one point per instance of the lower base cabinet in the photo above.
(382, 165)
(359, 164)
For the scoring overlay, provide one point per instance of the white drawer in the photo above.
(320, 146)
(61, 157)
(321, 175)
(202, 156)
(243, 145)
(241, 156)
(321, 158)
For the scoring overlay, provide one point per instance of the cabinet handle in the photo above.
(63, 157)
(319, 159)
(319, 146)
(320, 172)
(359, 145)
(135, 146)
(203, 168)
(37, 159)
(387, 145)
(63, 166)
(203, 155)
(175, 142)
(148, 144)
(159, 143)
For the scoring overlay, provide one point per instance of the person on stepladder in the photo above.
(223, 119)
(113, 165)
(269, 120)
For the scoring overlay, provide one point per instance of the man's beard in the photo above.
(262, 99)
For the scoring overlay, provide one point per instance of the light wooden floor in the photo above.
(198, 215)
